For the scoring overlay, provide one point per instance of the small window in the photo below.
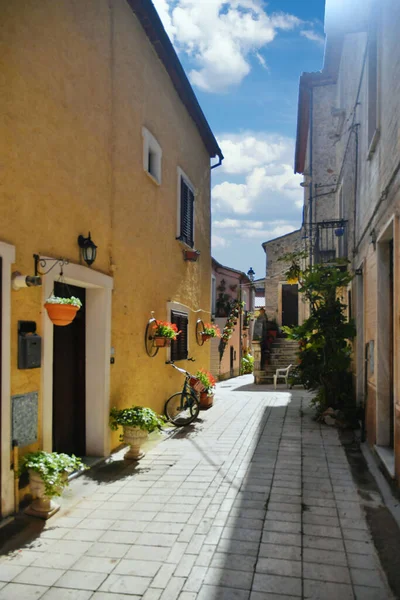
(179, 347)
(152, 155)
(186, 211)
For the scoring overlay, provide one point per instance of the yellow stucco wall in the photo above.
(79, 80)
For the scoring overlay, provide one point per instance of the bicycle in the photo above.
(183, 407)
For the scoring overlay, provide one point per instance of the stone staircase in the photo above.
(283, 353)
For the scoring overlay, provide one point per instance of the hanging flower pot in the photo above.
(62, 311)
(162, 342)
(164, 333)
(339, 232)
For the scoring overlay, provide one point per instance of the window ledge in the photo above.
(153, 179)
(373, 144)
(184, 245)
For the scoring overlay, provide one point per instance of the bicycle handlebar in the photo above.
(171, 362)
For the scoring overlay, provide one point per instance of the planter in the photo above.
(61, 314)
(135, 437)
(339, 232)
(272, 333)
(43, 506)
(162, 342)
(206, 336)
(206, 400)
(196, 384)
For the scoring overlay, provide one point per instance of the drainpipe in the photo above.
(310, 197)
(219, 163)
(16, 475)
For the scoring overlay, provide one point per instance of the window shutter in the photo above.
(179, 347)
(187, 214)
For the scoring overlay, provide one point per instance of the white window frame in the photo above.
(177, 307)
(150, 145)
(182, 174)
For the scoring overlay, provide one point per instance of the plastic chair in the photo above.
(282, 374)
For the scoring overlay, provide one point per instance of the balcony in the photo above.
(330, 241)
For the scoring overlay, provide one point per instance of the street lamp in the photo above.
(250, 274)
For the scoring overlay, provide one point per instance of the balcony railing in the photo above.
(330, 241)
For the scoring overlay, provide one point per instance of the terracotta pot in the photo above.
(206, 400)
(272, 333)
(61, 314)
(196, 384)
(162, 342)
(43, 506)
(135, 437)
(206, 336)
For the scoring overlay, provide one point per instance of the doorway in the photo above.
(69, 379)
(290, 304)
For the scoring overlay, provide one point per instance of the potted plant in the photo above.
(273, 328)
(164, 333)
(208, 382)
(210, 331)
(137, 422)
(62, 311)
(48, 476)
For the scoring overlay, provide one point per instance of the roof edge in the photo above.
(279, 237)
(152, 25)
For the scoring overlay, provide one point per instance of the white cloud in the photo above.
(219, 242)
(248, 150)
(220, 36)
(313, 36)
(235, 223)
(263, 185)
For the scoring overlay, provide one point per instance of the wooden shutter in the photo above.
(187, 214)
(179, 348)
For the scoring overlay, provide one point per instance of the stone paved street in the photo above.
(255, 502)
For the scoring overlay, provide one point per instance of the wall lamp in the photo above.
(88, 248)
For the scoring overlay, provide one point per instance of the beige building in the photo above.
(100, 131)
(348, 148)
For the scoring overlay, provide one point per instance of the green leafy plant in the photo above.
(247, 364)
(58, 300)
(53, 468)
(324, 338)
(136, 416)
(235, 310)
(211, 330)
(206, 379)
(166, 330)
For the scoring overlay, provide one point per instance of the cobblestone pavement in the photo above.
(255, 502)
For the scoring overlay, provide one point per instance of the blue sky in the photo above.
(244, 59)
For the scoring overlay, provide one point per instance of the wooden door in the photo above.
(290, 305)
(69, 380)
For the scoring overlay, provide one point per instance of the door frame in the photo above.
(7, 253)
(98, 347)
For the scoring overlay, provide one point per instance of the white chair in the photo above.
(282, 374)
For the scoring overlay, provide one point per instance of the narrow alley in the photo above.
(255, 501)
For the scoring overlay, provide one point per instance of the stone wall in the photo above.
(275, 270)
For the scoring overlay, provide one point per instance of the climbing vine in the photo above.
(236, 308)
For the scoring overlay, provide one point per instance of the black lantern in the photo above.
(250, 274)
(89, 249)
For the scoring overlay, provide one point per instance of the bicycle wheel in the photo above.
(182, 408)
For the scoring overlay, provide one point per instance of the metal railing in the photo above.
(330, 241)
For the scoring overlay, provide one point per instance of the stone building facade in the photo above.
(348, 144)
(282, 302)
